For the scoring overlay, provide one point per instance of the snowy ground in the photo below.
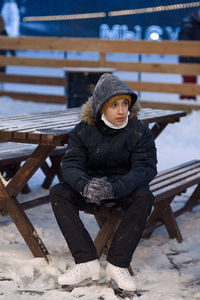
(164, 269)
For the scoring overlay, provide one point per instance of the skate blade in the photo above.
(69, 288)
(121, 292)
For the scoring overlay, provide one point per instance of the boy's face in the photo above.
(117, 112)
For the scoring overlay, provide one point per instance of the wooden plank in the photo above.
(158, 116)
(171, 180)
(57, 141)
(65, 114)
(35, 202)
(62, 120)
(151, 47)
(47, 62)
(181, 48)
(185, 89)
(27, 132)
(187, 107)
(47, 139)
(177, 188)
(57, 81)
(41, 126)
(44, 124)
(170, 173)
(40, 120)
(53, 127)
(35, 97)
(184, 48)
(184, 69)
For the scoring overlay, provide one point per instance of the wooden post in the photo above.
(102, 56)
(23, 224)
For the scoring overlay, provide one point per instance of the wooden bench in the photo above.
(165, 187)
(13, 154)
(49, 130)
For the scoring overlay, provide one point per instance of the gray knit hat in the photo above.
(108, 86)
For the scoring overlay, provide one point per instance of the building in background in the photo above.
(11, 16)
(150, 26)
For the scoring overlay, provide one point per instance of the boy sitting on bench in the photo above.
(111, 157)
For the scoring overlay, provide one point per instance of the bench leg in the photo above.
(193, 200)
(105, 232)
(103, 248)
(50, 172)
(107, 227)
(171, 225)
(162, 213)
(10, 171)
(153, 220)
(23, 224)
(158, 128)
(12, 207)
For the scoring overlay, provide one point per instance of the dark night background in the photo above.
(91, 27)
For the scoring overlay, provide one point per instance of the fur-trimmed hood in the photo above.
(107, 87)
(87, 112)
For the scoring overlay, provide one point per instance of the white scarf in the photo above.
(109, 124)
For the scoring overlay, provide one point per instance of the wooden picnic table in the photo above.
(48, 130)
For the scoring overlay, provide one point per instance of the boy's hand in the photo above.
(97, 190)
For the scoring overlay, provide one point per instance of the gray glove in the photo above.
(97, 190)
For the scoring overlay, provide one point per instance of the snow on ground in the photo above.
(164, 269)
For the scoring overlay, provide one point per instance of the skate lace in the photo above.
(76, 270)
(124, 274)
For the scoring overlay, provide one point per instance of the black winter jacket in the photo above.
(126, 156)
(190, 31)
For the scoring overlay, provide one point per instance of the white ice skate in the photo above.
(80, 272)
(121, 276)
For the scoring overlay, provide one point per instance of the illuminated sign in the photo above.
(153, 32)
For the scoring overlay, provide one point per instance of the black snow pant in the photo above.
(136, 207)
